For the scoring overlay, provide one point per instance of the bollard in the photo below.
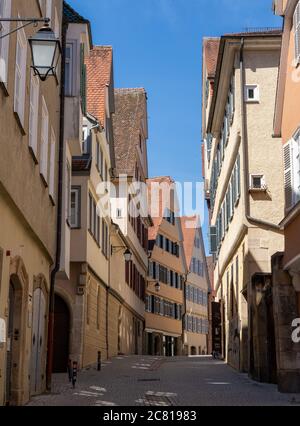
(99, 361)
(74, 374)
(70, 370)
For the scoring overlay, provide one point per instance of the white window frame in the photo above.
(262, 178)
(255, 88)
(44, 142)
(70, 76)
(20, 75)
(34, 115)
(4, 43)
(76, 223)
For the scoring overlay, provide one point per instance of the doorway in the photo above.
(61, 336)
(38, 342)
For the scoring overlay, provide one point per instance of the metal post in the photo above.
(74, 374)
(99, 362)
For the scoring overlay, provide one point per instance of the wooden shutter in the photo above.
(82, 79)
(52, 166)
(33, 115)
(20, 75)
(288, 174)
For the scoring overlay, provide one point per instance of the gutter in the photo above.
(49, 366)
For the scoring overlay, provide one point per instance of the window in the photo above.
(292, 170)
(20, 75)
(161, 241)
(52, 166)
(5, 12)
(257, 182)
(69, 53)
(85, 135)
(297, 33)
(252, 93)
(33, 115)
(75, 207)
(44, 142)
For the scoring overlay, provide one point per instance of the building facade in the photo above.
(30, 134)
(131, 221)
(167, 272)
(74, 280)
(286, 264)
(243, 192)
(197, 289)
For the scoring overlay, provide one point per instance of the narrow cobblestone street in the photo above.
(140, 381)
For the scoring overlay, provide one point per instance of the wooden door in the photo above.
(38, 342)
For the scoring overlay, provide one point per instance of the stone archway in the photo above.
(61, 345)
(16, 331)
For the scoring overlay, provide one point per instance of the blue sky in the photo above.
(157, 45)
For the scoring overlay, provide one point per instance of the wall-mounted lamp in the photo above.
(45, 47)
(127, 252)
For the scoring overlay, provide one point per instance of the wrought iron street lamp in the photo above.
(45, 50)
(45, 47)
(127, 252)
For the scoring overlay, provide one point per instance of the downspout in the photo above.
(59, 212)
(251, 220)
(107, 295)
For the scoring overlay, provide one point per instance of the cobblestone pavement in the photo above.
(136, 381)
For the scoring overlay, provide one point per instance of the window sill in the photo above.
(258, 190)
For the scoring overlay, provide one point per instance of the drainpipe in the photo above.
(59, 212)
(249, 218)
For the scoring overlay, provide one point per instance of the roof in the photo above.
(189, 226)
(156, 211)
(130, 110)
(81, 164)
(73, 17)
(211, 48)
(99, 75)
(254, 32)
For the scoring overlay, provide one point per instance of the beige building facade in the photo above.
(167, 272)
(197, 289)
(130, 224)
(30, 134)
(243, 177)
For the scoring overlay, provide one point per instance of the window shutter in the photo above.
(52, 166)
(83, 80)
(213, 239)
(288, 155)
(33, 114)
(44, 141)
(20, 75)
(297, 32)
(5, 12)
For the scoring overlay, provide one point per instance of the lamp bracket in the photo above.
(29, 21)
(116, 249)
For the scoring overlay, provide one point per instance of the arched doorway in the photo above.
(61, 335)
(193, 351)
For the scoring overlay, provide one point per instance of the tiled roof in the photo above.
(99, 72)
(211, 49)
(189, 225)
(130, 110)
(256, 32)
(81, 164)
